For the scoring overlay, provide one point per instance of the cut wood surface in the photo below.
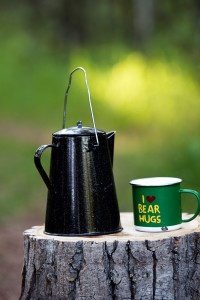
(126, 265)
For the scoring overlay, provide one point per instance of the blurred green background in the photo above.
(143, 65)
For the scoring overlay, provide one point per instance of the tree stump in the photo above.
(127, 265)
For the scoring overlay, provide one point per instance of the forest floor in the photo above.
(11, 254)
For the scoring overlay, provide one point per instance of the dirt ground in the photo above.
(11, 254)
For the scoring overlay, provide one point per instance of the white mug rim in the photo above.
(158, 229)
(155, 181)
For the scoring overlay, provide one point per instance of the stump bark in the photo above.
(126, 265)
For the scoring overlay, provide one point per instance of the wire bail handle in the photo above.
(89, 98)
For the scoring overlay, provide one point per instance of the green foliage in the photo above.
(151, 99)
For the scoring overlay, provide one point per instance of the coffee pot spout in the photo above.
(111, 142)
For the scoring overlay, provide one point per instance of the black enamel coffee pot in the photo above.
(81, 190)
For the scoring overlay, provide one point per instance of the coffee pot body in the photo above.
(82, 197)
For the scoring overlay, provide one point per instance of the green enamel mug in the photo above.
(157, 204)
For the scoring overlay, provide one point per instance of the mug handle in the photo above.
(196, 194)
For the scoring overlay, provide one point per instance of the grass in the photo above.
(19, 180)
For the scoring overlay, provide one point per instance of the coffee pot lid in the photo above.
(78, 130)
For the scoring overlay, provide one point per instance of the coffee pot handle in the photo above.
(89, 98)
(37, 160)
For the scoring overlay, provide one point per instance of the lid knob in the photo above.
(79, 124)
